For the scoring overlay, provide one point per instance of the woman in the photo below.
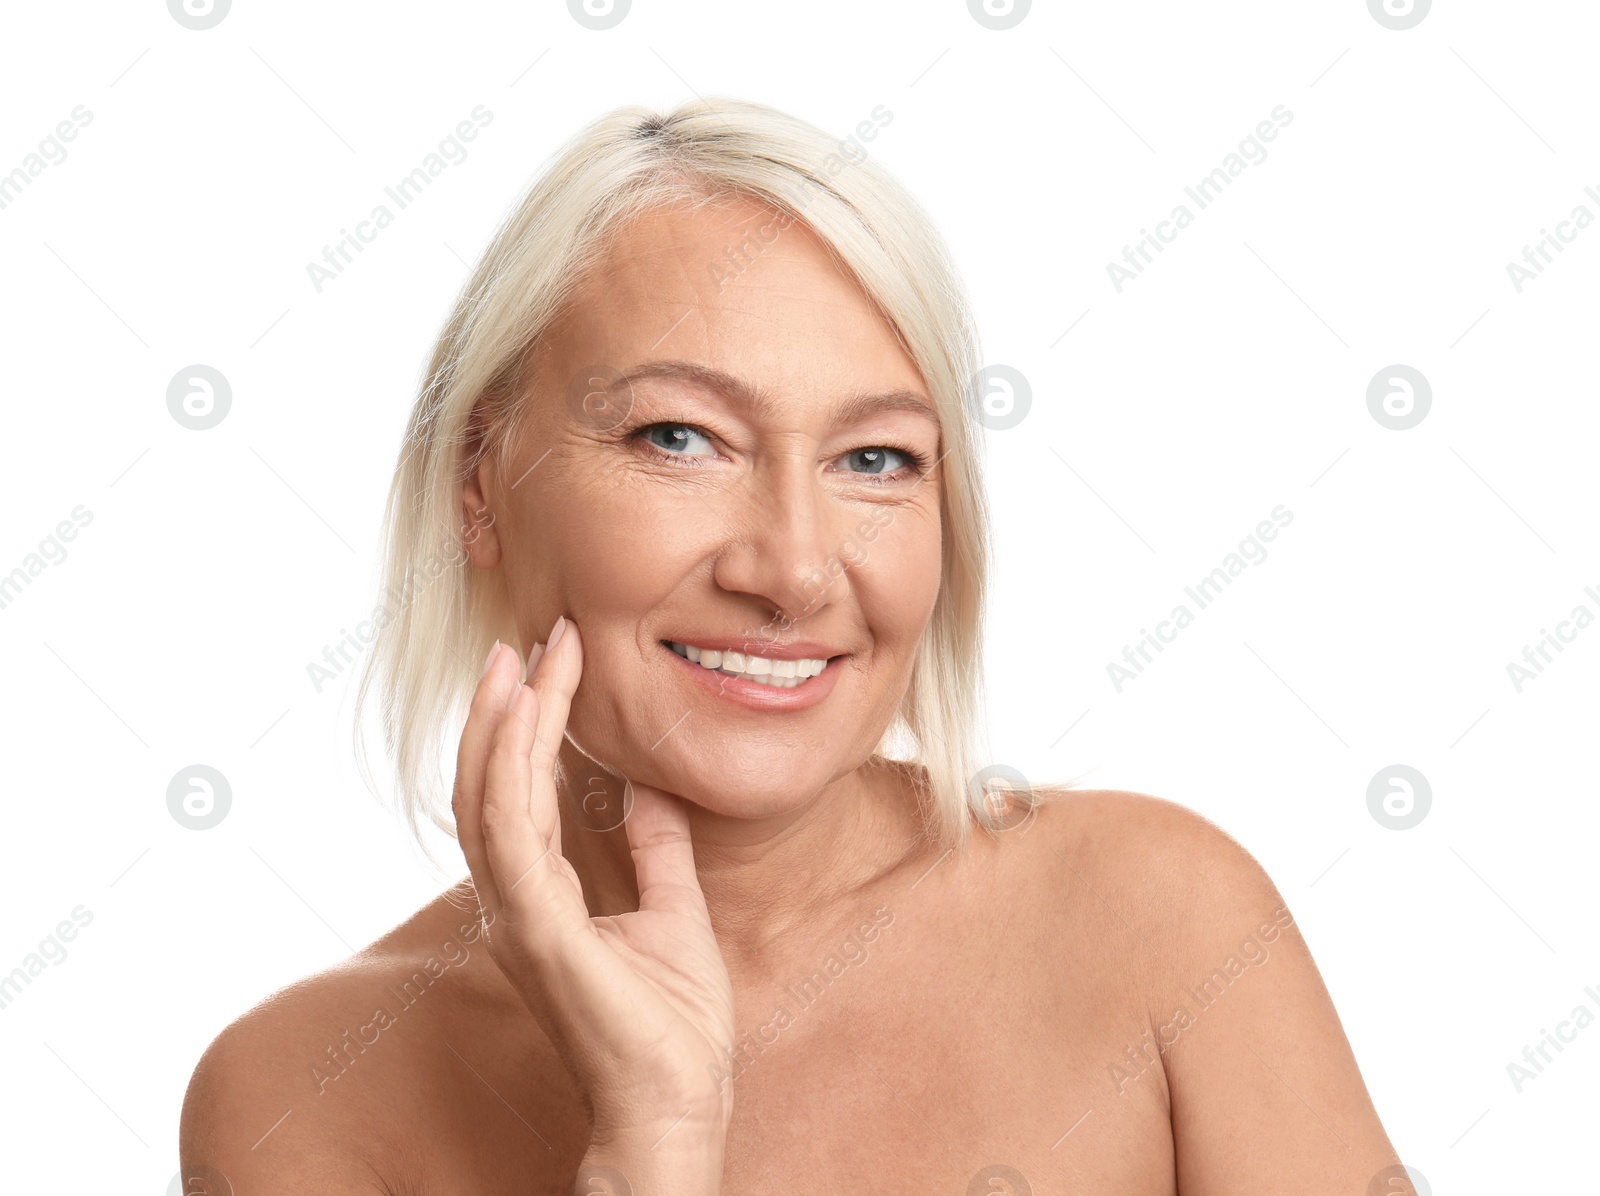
(701, 435)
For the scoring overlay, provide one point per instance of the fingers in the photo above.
(507, 808)
(554, 681)
(512, 842)
(520, 815)
(663, 854)
(466, 799)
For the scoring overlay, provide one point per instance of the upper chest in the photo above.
(951, 1035)
(971, 1043)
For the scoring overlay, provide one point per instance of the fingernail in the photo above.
(533, 662)
(489, 660)
(555, 633)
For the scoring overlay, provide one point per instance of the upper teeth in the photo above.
(785, 674)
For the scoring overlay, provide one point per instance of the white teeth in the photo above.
(784, 674)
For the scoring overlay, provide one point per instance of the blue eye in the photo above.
(877, 464)
(874, 460)
(675, 439)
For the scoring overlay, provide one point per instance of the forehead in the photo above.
(737, 285)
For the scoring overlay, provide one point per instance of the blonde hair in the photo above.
(442, 616)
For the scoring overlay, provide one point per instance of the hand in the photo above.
(639, 1005)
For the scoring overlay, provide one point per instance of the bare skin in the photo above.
(1111, 996)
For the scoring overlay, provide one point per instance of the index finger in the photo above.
(496, 685)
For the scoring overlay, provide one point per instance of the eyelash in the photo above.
(918, 461)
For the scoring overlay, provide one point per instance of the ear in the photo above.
(478, 532)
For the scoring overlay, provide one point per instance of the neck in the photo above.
(766, 880)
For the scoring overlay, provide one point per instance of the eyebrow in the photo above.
(764, 406)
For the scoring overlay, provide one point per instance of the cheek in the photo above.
(607, 553)
(598, 549)
(897, 577)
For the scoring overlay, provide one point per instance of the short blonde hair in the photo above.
(442, 618)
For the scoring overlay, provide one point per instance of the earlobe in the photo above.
(478, 533)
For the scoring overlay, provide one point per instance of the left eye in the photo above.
(877, 460)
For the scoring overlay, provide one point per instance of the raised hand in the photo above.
(639, 1005)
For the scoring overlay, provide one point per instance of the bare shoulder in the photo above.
(1265, 1088)
(251, 1112)
(1165, 875)
(289, 1096)
(1156, 858)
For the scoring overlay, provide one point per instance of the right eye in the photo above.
(675, 440)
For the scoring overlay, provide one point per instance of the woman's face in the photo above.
(720, 452)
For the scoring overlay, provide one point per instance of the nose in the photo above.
(780, 548)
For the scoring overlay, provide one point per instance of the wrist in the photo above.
(673, 1160)
(649, 1124)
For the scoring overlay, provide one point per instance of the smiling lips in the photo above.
(778, 672)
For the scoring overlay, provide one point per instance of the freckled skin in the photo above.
(936, 1014)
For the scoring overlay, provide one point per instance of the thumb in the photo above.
(663, 853)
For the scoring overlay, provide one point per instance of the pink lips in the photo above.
(753, 695)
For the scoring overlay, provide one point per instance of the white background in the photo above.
(1228, 378)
